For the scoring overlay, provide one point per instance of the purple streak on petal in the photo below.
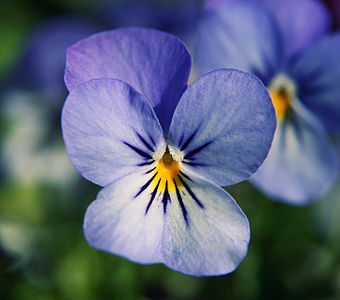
(103, 121)
(242, 36)
(154, 63)
(233, 119)
(317, 73)
(302, 164)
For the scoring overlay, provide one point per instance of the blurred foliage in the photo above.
(290, 255)
(12, 32)
(293, 254)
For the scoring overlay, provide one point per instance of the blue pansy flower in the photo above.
(300, 66)
(161, 149)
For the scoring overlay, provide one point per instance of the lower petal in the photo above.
(215, 238)
(195, 227)
(116, 222)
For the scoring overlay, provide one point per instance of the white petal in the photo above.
(211, 238)
(215, 239)
(116, 222)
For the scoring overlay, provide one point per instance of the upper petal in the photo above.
(109, 129)
(242, 36)
(155, 63)
(317, 73)
(301, 22)
(302, 163)
(209, 238)
(224, 125)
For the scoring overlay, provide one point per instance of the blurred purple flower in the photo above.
(161, 149)
(277, 41)
(30, 105)
(42, 66)
(179, 18)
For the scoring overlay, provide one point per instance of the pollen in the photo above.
(282, 90)
(167, 171)
(281, 102)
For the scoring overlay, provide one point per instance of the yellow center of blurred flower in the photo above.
(282, 92)
(281, 102)
(166, 171)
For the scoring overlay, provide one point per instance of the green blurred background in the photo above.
(293, 253)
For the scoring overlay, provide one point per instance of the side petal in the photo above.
(317, 73)
(208, 239)
(109, 130)
(154, 63)
(233, 37)
(224, 125)
(294, 20)
(302, 164)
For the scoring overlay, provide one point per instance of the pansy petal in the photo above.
(214, 239)
(109, 129)
(317, 73)
(209, 238)
(224, 125)
(301, 22)
(302, 163)
(117, 221)
(155, 63)
(233, 37)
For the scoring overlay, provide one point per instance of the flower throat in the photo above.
(166, 173)
(283, 93)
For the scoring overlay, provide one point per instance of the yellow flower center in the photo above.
(283, 92)
(281, 102)
(166, 171)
